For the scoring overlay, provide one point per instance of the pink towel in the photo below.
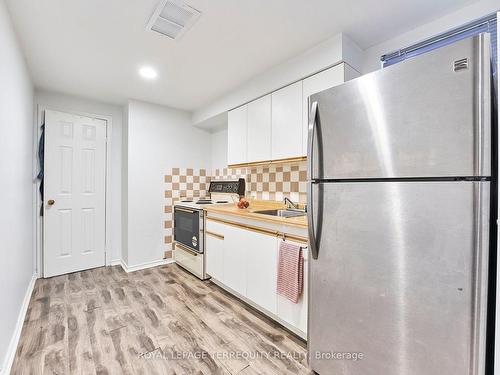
(290, 271)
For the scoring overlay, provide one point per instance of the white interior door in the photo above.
(74, 193)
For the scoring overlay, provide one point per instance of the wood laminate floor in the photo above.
(160, 320)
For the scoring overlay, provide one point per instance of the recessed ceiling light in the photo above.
(147, 72)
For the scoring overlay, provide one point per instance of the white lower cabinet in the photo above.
(235, 249)
(215, 257)
(262, 260)
(246, 262)
(295, 314)
(225, 255)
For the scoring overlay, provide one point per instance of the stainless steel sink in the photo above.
(282, 213)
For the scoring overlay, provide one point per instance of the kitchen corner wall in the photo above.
(156, 139)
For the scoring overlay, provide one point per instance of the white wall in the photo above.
(16, 171)
(124, 191)
(219, 148)
(326, 54)
(71, 103)
(450, 21)
(159, 138)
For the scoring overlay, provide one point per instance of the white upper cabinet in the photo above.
(326, 79)
(259, 129)
(276, 126)
(287, 122)
(237, 124)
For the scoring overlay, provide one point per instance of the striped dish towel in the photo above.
(290, 271)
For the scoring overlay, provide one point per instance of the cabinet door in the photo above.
(287, 122)
(214, 250)
(324, 80)
(295, 314)
(237, 121)
(262, 260)
(259, 129)
(235, 270)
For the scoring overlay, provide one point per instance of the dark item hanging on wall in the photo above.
(41, 155)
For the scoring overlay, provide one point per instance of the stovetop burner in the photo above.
(204, 201)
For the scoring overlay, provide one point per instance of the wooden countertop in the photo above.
(257, 205)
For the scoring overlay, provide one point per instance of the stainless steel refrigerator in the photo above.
(399, 212)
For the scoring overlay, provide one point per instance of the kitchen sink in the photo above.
(282, 213)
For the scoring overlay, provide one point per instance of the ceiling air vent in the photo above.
(173, 18)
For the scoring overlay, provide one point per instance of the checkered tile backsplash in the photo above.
(181, 183)
(272, 182)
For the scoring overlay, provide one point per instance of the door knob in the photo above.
(50, 202)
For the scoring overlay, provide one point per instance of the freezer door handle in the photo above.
(310, 209)
(310, 139)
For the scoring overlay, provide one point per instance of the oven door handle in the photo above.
(185, 248)
(185, 210)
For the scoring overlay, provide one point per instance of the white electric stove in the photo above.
(189, 224)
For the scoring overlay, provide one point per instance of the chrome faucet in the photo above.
(290, 204)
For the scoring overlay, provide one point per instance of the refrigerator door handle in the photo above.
(310, 209)
(480, 273)
(310, 139)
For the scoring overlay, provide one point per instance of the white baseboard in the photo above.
(14, 341)
(115, 262)
(142, 266)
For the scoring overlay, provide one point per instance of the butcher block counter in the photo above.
(258, 205)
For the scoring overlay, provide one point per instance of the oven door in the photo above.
(188, 224)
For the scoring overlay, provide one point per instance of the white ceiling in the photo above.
(93, 48)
